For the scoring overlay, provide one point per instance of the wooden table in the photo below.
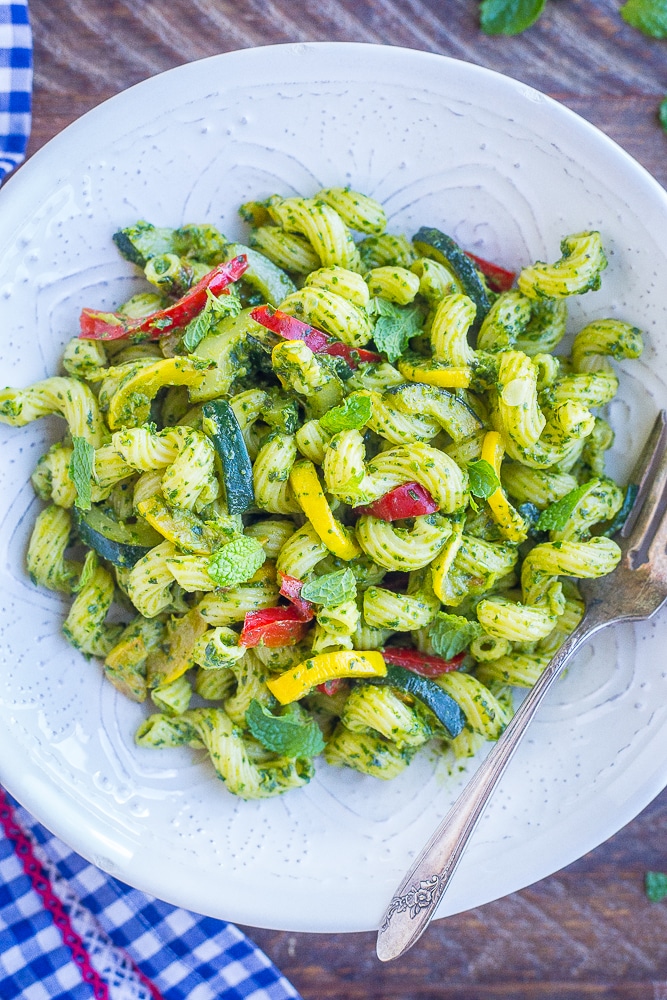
(587, 932)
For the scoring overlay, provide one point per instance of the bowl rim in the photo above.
(64, 815)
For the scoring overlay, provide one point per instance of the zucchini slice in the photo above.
(222, 427)
(265, 277)
(143, 241)
(438, 246)
(446, 710)
(119, 543)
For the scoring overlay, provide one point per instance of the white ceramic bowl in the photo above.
(506, 171)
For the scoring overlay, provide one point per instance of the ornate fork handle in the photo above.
(416, 899)
(635, 591)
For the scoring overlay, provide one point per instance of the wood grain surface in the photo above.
(589, 931)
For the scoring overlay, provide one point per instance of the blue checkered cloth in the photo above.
(69, 931)
(15, 83)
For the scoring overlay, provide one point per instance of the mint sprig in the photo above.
(509, 17)
(662, 113)
(648, 16)
(81, 467)
(655, 885)
(288, 734)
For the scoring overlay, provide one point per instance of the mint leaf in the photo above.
(81, 467)
(352, 414)
(90, 564)
(662, 113)
(216, 308)
(655, 885)
(483, 479)
(509, 17)
(558, 514)
(394, 327)
(288, 734)
(331, 588)
(648, 16)
(197, 329)
(451, 634)
(236, 562)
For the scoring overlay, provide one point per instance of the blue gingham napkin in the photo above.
(68, 931)
(15, 83)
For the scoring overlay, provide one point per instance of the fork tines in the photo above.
(645, 529)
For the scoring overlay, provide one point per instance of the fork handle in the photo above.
(417, 897)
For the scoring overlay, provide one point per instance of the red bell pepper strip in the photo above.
(332, 687)
(500, 279)
(354, 356)
(115, 326)
(407, 500)
(273, 627)
(290, 588)
(292, 328)
(421, 663)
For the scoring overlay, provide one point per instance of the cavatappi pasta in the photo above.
(363, 460)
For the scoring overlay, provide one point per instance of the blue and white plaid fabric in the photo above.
(15, 83)
(115, 942)
(68, 931)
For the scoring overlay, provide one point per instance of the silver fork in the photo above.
(635, 591)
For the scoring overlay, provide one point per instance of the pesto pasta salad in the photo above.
(327, 492)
